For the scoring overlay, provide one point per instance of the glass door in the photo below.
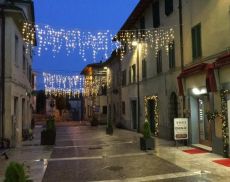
(204, 125)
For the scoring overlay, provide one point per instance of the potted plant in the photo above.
(48, 135)
(109, 128)
(94, 121)
(147, 141)
(16, 172)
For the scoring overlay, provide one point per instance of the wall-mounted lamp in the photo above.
(197, 91)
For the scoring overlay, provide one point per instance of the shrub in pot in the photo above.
(15, 172)
(147, 141)
(109, 128)
(48, 135)
(94, 121)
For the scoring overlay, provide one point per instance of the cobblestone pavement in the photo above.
(84, 153)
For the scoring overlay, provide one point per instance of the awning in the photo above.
(199, 68)
(222, 61)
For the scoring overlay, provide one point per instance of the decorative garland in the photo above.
(224, 112)
(155, 110)
(211, 116)
(101, 42)
(56, 85)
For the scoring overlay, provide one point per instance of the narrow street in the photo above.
(85, 153)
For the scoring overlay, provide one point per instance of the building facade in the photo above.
(189, 79)
(114, 105)
(95, 92)
(17, 70)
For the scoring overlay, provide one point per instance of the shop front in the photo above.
(197, 84)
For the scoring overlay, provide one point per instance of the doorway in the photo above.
(203, 123)
(151, 114)
(134, 114)
(173, 112)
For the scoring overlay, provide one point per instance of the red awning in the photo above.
(199, 68)
(222, 61)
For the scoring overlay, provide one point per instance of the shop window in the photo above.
(168, 7)
(156, 14)
(196, 42)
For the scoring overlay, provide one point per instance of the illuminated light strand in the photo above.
(102, 42)
(94, 84)
(56, 84)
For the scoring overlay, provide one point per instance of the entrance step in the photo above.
(203, 147)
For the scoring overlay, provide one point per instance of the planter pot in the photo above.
(109, 130)
(147, 143)
(48, 137)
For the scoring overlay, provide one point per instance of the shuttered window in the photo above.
(156, 14)
(168, 7)
(196, 42)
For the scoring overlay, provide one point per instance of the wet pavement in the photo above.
(85, 153)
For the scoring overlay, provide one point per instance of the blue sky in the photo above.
(86, 15)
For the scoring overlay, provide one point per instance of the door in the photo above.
(151, 114)
(134, 113)
(204, 125)
(173, 112)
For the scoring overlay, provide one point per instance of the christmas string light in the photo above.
(56, 84)
(49, 38)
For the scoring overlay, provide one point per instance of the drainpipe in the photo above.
(181, 46)
(3, 69)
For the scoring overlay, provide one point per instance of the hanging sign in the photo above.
(180, 128)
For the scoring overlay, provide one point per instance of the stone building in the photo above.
(16, 78)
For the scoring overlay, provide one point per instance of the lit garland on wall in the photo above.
(100, 42)
(94, 84)
(224, 117)
(155, 110)
(56, 85)
(156, 39)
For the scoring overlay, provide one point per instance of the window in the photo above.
(124, 78)
(156, 14)
(24, 59)
(133, 73)
(16, 50)
(168, 7)
(144, 69)
(104, 110)
(142, 26)
(196, 41)
(159, 61)
(172, 55)
(142, 23)
(104, 90)
(130, 75)
(123, 107)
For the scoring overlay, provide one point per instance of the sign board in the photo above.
(180, 128)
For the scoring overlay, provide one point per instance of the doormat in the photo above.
(195, 151)
(224, 162)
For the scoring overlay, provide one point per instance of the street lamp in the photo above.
(137, 45)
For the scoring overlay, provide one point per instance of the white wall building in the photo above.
(17, 69)
(190, 81)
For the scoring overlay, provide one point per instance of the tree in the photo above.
(60, 103)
